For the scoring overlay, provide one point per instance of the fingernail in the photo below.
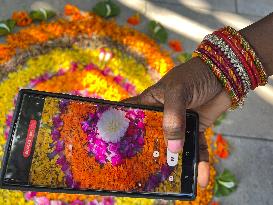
(175, 146)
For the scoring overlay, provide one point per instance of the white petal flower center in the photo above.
(112, 125)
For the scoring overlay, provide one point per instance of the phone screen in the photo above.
(68, 143)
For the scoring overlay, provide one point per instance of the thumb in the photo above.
(174, 120)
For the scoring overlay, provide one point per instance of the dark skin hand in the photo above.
(193, 86)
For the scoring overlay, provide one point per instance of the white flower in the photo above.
(112, 125)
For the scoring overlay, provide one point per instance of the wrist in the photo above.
(210, 76)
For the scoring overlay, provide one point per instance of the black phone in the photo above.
(72, 144)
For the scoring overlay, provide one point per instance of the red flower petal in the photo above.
(134, 20)
(175, 45)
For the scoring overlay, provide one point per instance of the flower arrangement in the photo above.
(87, 55)
(114, 134)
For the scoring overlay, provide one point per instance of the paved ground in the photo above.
(249, 130)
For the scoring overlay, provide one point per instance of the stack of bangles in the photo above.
(233, 61)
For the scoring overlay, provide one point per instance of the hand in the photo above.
(188, 86)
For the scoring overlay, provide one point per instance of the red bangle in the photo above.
(215, 54)
(220, 76)
(249, 59)
(249, 49)
(240, 56)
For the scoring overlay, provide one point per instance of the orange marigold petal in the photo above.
(134, 20)
(70, 9)
(22, 18)
(175, 45)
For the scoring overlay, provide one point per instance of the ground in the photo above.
(248, 130)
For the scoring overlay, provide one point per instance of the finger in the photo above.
(203, 166)
(203, 174)
(147, 97)
(174, 121)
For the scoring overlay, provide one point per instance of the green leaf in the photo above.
(37, 15)
(3, 31)
(216, 187)
(157, 31)
(106, 9)
(11, 23)
(50, 14)
(41, 14)
(225, 184)
(6, 27)
(220, 119)
(183, 57)
(223, 191)
(228, 185)
(227, 176)
(151, 26)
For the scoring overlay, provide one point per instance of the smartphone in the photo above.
(72, 144)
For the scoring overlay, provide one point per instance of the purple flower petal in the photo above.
(76, 185)
(55, 134)
(69, 181)
(165, 172)
(91, 136)
(63, 103)
(61, 160)
(52, 155)
(85, 126)
(57, 121)
(51, 145)
(65, 166)
(59, 146)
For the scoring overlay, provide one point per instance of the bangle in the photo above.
(212, 52)
(237, 66)
(233, 61)
(220, 76)
(250, 50)
(229, 67)
(240, 57)
(248, 58)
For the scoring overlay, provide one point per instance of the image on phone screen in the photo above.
(75, 144)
